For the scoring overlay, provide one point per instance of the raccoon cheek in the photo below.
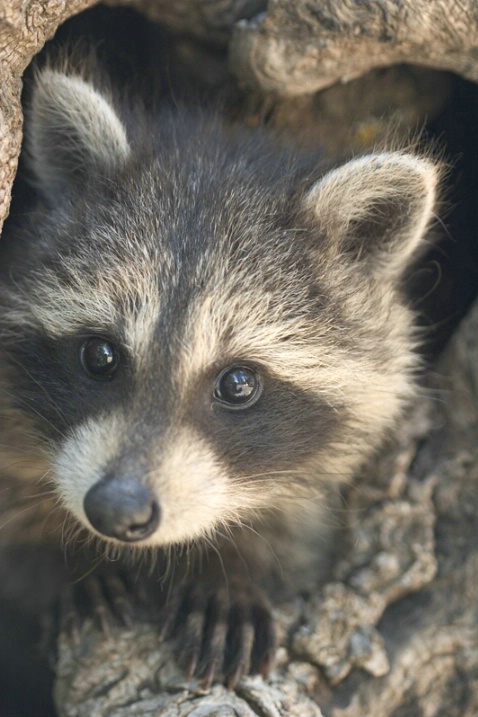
(123, 509)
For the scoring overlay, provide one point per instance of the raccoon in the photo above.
(203, 335)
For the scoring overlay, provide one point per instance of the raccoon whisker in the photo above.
(153, 556)
(215, 549)
(25, 433)
(336, 480)
(183, 553)
(31, 496)
(137, 563)
(48, 479)
(45, 477)
(243, 487)
(167, 576)
(443, 227)
(36, 382)
(181, 556)
(21, 512)
(112, 552)
(329, 520)
(228, 531)
(91, 569)
(69, 528)
(272, 474)
(7, 468)
(56, 508)
(35, 450)
(270, 547)
(140, 562)
(18, 449)
(27, 405)
(72, 532)
(244, 525)
(439, 395)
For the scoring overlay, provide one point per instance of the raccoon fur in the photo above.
(202, 335)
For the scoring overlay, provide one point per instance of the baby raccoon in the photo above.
(201, 334)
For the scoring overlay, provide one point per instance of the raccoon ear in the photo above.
(376, 209)
(70, 127)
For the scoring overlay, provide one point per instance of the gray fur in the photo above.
(196, 246)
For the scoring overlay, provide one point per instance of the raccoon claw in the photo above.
(120, 599)
(233, 679)
(100, 609)
(166, 625)
(267, 664)
(263, 654)
(104, 598)
(215, 638)
(223, 634)
(61, 618)
(69, 620)
(190, 662)
(207, 677)
(251, 639)
(241, 642)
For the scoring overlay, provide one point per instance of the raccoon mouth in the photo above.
(125, 510)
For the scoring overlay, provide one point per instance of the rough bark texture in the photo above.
(395, 631)
(24, 29)
(302, 46)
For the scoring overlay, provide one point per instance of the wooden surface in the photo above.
(303, 46)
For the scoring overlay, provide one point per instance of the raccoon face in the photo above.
(203, 327)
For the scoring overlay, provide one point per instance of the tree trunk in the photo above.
(302, 46)
(394, 632)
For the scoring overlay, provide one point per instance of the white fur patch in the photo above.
(195, 495)
(80, 461)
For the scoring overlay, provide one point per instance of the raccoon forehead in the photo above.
(325, 342)
(225, 327)
(118, 273)
(120, 298)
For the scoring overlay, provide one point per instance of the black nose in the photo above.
(124, 509)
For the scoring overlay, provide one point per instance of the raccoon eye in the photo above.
(238, 387)
(99, 357)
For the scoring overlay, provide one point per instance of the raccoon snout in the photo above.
(124, 509)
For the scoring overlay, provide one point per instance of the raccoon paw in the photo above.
(105, 598)
(224, 633)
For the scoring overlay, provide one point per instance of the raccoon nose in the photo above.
(123, 509)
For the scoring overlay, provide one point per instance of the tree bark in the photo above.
(394, 632)
(303, 46)
(24, 29)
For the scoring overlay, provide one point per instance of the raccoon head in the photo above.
(203, 326)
